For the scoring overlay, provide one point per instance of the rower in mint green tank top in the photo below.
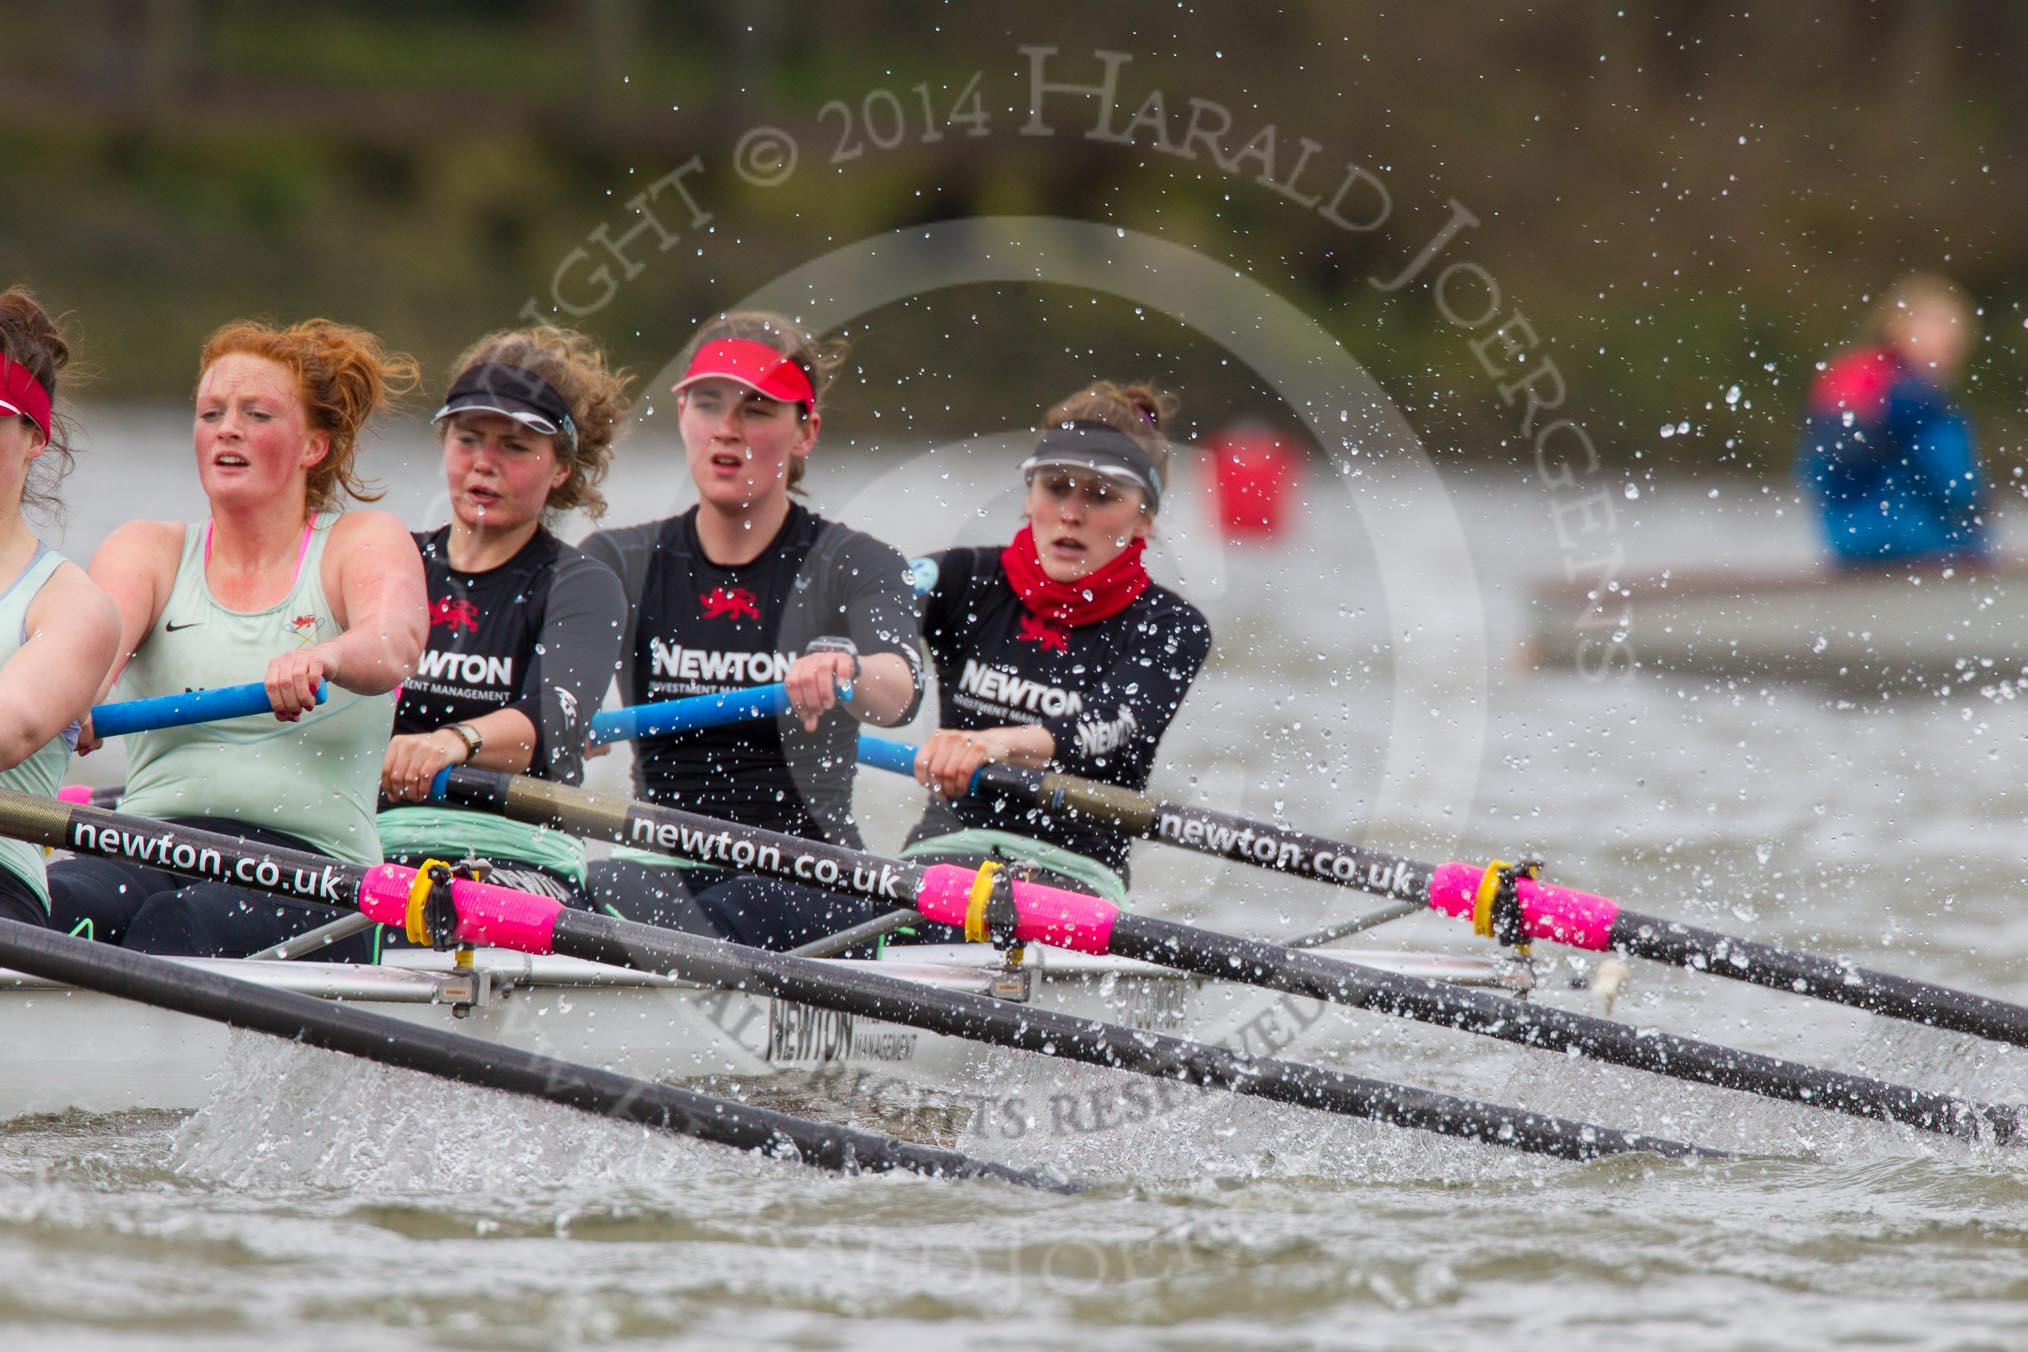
(318, 778)
(41, 773)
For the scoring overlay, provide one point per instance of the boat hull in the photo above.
(72, 1050)
(1860, 629)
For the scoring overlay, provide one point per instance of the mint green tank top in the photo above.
(317, 778)
(41, 773)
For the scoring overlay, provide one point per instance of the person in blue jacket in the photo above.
(1887, 456)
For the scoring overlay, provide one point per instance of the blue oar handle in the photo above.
(192, 706)
(663, 717)
(992, 778)
(884, 753)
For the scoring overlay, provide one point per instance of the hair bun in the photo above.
(29, 336)
(1148, 402)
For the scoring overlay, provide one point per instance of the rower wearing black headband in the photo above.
(524, 629)
(1059, 650)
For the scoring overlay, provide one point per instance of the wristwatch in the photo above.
(829, 644)
(469, 735)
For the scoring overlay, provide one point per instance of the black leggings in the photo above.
(758, 912)
(155, 911)
(19, 902)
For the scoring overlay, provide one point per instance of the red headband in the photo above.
(22, 393)
(754, 365)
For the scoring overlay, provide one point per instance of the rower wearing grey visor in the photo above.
(1058, 650)
(1095, 445)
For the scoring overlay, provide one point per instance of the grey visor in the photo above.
(1099, 448)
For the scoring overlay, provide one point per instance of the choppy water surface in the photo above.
(316, 1203)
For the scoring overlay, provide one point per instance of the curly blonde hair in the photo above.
(344, 376)
(575, 368)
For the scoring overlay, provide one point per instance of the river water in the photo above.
(316, 1203)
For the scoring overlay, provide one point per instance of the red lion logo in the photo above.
(456, 614)
(733, 603)
(1034, 630)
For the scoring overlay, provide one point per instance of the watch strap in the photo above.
(833, 644)
(471, 737)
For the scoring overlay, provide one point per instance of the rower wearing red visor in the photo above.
(746, 588)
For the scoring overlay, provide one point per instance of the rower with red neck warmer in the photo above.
(1059, 650)
(748, 588)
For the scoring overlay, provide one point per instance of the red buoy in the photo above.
(1257, 475)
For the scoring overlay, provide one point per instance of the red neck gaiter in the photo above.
(1093, 597)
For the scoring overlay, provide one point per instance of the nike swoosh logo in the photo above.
(172, 628)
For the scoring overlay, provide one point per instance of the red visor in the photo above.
(754, 365)
(22, 393)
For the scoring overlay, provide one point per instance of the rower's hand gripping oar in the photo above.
(659, 718)
(191, 706)
(447, 909)
(1509, 902)
(988, 903)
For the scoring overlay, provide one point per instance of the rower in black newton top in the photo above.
(451, 911)
(989, 904)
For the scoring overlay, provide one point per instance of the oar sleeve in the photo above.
(1048, 915)
(1561, 914)
(496, 917)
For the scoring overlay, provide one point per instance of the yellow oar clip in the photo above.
(976, 929)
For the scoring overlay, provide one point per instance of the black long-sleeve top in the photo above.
(1105, 691)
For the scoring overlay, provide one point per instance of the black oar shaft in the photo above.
(718, 963)
(1299, 854)
(338, 1027)
(603, 938)
(1823, 978)
(1228, 958)
(1435, 1002)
